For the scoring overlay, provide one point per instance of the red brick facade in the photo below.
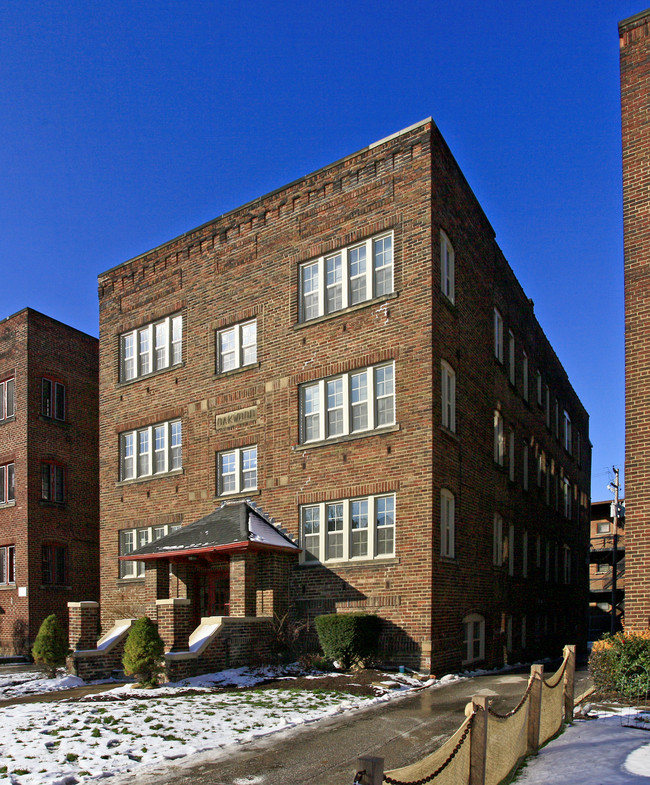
(635, 103)
(248, 265)
(51, 523)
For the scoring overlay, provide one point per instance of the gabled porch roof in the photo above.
(234, 527)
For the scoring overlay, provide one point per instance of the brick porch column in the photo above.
(83, 625)
(243, 584)
(175, 623)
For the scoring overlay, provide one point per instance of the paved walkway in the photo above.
(325, 753)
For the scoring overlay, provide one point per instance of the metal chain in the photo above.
(557, 675)
(358, 776)
(440, 768)
(519, 706)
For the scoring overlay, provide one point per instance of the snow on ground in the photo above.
(597, 751)
(127, 728)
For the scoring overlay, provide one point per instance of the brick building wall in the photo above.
(635, 87)
(65, 441)
(246, 265)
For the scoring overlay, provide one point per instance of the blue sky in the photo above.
(124, 124)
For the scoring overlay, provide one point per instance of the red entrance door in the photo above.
(213, 592)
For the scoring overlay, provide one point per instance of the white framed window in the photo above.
(556, 420)
(567, 493)
(447, 268)
(354, 402)
(7, 483)
(348, 529)
(448, 388)
(525, 465)
(447, 524)
(567, 433)
(511, 454)
(237, 346)
(511, 357)
(52, 398)
(130, 539)
(497, 541)
(524, 554)
(499, 439)
(155, 449)
(7, 398)
(524, 377)
(7, 564)
(152, 347)
(603, 527)
(498, 335)
(346, 277)
(237, 470)
(473, 638)
(52, 482)
(541, 466)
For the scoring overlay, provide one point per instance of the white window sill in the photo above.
(235, 371)
(238, 494)
(126, 382)
(7, 504)
(379, 561)
(348, 437)
(147, 477)
(348, 310)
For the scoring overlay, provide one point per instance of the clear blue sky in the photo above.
(125, 124)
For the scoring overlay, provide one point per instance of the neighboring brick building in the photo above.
(635, 110)
(352, 353)
(49, 505)
(606, 560)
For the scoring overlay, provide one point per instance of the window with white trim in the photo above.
(346, 277)
(511, 357)
(567, 493)
(473, 638)
(524, 379)
(52, 482)
(131, 539)
(448, 387)
(603, 527)
(499, 439)
(348, 529)
(7, 398)
(7, 564)
(568, 437)
(447, 268)
(54, 565)
(155, 449)
(354, 402)
(52, 398)
(497, 541)
(498, 335)
(237, 346)
(237, 470)
(447, 524)
(556, 420)
(7, 483)
(151, 348)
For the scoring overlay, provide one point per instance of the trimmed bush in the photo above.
(143, 652)
(51, 645)
(348, 637)
(621, 662)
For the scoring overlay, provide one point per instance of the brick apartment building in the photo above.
(49, 499)
(353, 355)
(635, 105)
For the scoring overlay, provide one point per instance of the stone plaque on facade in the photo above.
(239, 417)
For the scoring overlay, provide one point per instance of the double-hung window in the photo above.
(567, 491)
(237, 346)
(52, 482)
(499, 439)
(498, 335)
(54, 565)
(7, 398)
(52, 399)
(237, 470)
(7, 564)
(130, 539)
(346, 277)
(447, 268)
(7, 483)
(497, 541)
(155, 449)
(152, 347)
(448, 388)
(348, 529)
(568, 435)
(354, 402)
(473, 638)
(447, 524)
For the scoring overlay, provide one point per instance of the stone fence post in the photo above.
(478, 740)
(535, 709)
(373, 768)
(83, 625)
(175, 623)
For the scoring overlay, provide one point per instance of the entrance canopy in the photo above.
(235, 527)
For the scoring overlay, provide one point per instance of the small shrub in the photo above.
(621, 662)
(143, 652)
(348, 637)
(51, 645)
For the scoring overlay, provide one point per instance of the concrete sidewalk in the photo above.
(325, 753)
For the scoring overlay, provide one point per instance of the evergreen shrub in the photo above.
(51, 645)
(143, 653)
(621, 663)
(348, 637)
